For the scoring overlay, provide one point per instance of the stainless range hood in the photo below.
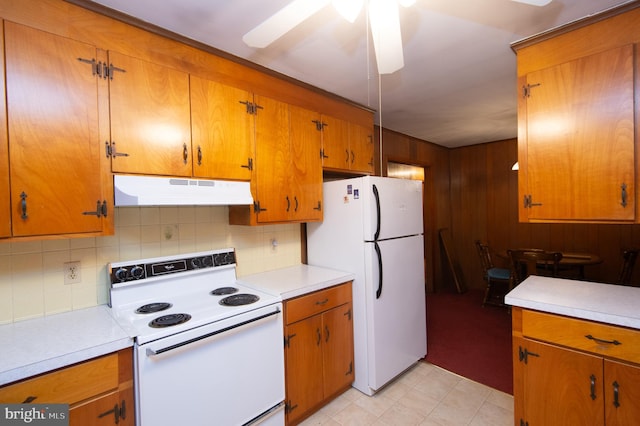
(132, 190)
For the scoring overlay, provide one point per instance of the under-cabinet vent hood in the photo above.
(165, 191)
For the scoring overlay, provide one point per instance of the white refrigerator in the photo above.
(372, 227)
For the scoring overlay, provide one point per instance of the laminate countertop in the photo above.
(296, 280)
(44, 344)
(606, 303)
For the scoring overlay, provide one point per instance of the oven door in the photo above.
(230, 372)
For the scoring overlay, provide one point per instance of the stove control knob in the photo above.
(137, 272)
(207, 261)
(196, 262)
(121, 274)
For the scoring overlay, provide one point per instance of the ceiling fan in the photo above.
(384, 21)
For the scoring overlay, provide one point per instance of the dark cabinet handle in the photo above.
(185, 153)
(608, 342)
(616, 394)
(295, 198)
(199, 155)
(346, 160)
(288, 203)
(326, 332)
(623, 195)
(592, 381)
(318, 207)
(319, 335)
(29, 399)
(23, 205)
(322, 302)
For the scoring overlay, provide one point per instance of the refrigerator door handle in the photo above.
(377, 197)
(379, 290)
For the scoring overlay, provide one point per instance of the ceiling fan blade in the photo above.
(282, 22)
(534, 2)
(385, 31)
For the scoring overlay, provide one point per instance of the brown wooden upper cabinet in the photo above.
(346, 146)
(222, 130)
(53, 136)
(150, 118)
(287, 180)
(576, 124)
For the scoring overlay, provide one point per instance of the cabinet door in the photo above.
(306, 165)
(335, 143)
(54, 145)
(337, 349)
(273, 160)
(115, 408)
(560, 386)
(622, 393)
(580, 139)
(303, 366)
(222, 130)
(150, 118)
(5, 197)
(361, 148)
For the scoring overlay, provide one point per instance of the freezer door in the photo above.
(396, 307)
(392, 207)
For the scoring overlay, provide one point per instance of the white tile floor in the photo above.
(425, 395)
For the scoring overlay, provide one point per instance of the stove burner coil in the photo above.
(153, 307)
(221, 291)
(239, 299)
(169, 320)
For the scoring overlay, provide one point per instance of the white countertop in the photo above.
(607, 303)
(296, 280)
(43, 344)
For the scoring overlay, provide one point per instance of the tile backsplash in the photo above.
(32, 273)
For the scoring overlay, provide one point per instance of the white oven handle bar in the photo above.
(265, 415)
(152, 352)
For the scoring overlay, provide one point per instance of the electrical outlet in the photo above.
(72, 272)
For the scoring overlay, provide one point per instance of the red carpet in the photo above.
(469, 340)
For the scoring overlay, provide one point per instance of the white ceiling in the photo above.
(458, 85)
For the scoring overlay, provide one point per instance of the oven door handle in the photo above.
(152, 352)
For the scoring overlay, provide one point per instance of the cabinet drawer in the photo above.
(68, 385)
(606, 340)
(314, 303)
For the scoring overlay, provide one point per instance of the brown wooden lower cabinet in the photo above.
(99, 391)
(318, 350)
(573, 372)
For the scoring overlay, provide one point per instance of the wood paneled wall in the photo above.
(484, 205)
(435, 160)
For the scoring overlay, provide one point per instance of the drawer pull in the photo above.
(322, 302)
(29, 399)
(608, 342)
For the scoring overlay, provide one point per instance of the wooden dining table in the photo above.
(570, 261)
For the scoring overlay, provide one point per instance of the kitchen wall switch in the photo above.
(72, 272)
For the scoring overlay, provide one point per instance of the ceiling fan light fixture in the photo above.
(348, 9)
(385, 31)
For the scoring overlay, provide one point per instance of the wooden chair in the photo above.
(629, 260)
(525, 262)
(493, 275)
